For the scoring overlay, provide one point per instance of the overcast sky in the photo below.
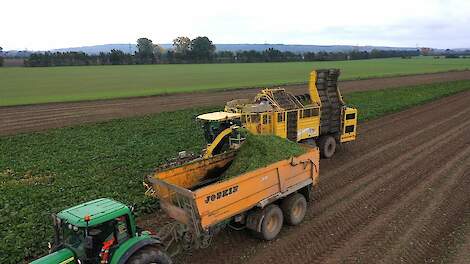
(49, 24)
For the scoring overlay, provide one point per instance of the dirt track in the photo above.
(400, 193)
(17, 119)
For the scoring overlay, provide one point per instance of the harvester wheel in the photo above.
(294, 208)
(327, 146)
(148, 255)
(272, 222)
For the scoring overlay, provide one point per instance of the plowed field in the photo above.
(28, 118)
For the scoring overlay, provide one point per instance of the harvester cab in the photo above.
(220, 132)
(101, 231)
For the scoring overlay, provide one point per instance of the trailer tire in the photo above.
(327, 146)
(272, 222)
(149, 254)
(294, 208)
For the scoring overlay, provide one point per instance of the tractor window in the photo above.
(122, 228)
(102, 233)
(72, 237)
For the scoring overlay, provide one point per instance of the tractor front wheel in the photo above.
(148, 255)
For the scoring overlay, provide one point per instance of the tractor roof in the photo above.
(218, 116)
(100, 211)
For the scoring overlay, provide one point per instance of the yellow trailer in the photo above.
(260, 200)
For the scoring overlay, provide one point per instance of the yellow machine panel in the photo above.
(349, 125)
(321, 113)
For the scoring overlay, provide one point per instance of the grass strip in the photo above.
(20, 85)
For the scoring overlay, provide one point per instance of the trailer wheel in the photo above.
(327, 146)
(294, 208)
(148, 255)
(272, 222)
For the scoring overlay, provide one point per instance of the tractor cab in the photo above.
(95, 232)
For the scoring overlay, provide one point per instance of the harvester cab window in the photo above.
(309, 112)
(254, 118)
(280, 117)
(266, 119)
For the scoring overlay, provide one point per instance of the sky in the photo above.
(50, 24)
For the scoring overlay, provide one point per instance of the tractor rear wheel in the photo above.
(294, 208)
(327, 146)
(148, 255)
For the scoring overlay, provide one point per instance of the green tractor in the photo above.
(102, 231)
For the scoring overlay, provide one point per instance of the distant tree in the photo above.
(182, 45)
(145, 51)
(103, 58)
(202, 49)
(116, 57)
(1, 56)
(158, 51)
(225, 56)
(272, 55)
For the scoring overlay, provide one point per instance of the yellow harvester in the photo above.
(319, 117)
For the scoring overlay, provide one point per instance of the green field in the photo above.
(42, 173)
(58, 84)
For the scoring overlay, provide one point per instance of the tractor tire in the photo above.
(272, 222)
(327, 146)
(148, 255)
(294, 208)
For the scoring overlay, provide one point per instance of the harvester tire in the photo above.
(272, 222)
(327, 146)
(148, 255)
(294, 208)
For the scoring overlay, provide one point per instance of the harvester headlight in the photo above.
(75, 228)
(69, 226)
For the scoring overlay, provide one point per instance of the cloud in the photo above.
(51, 24)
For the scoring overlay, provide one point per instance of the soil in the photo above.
(30, 118)
(397, 194)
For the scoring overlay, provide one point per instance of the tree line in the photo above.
(1, 56)
(198, 50)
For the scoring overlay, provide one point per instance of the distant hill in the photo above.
(131, 48)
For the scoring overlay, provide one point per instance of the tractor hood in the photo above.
(62, 256)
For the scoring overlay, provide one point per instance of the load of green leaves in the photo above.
(260, 151)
